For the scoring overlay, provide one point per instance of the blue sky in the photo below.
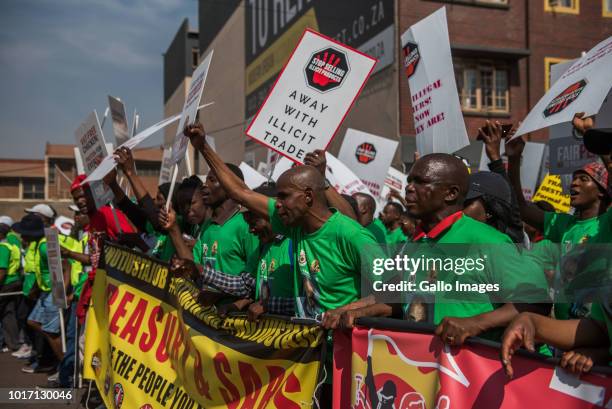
(59, 59)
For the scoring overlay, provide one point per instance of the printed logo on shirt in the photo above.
(411, 58)
(561, 101)
(118, 395)
(365, 153)
(315, 267)
(204, 249)
(272, 265)
(213, 251)
(326, 69)
(262, 268)
(302, 259)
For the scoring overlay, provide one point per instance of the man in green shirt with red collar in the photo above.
(437, 186)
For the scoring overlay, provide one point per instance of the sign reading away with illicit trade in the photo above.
(311, 97)
(438, 121)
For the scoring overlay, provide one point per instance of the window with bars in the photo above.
(483, 86)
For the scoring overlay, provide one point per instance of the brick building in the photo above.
(502, 52)
(25, 182)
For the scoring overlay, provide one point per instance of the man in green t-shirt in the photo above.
(437, 186)
(591, 221)
(366, 206)
(391, 218)
(328, 246)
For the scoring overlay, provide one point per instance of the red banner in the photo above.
(375, 369)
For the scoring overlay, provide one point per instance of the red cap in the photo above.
(597, 172)
(76, 183)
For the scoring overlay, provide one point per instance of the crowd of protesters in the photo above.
(296, 247)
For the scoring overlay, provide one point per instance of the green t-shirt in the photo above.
(275, 269)
(568, 230)
(378, 230)
(13, 238)
(395, 236)
(329, 260)
(228, 247)
(503, 265)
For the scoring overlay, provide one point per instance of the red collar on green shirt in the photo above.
(439, 228)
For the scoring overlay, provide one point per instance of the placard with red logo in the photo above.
(368, 156)
(311, 96)
(582, 88)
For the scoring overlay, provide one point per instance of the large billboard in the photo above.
(273, 28)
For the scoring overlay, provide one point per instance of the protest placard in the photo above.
(252, 178)
(551, 191)
(79, 161)
(582, 88)
(190, 108)
(54, 259)
(369, 157)
(119, 118)
(165, 171)
(342, 178)
(395, 180)
(93, 150)
(530, 165)
(108, 163)
(438, 121)
(311, 96)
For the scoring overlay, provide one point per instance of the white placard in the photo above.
(79, 161)
(342, 178)
(395, 180)
(582, 88)
(108, 163)
(54, 259)
(283, 165)
(438, 120)
(165, 171)
(369, 157)
(311, 96)
(93, 149)
(190, 108)
(531, 163)
(119, 118)
(252, 178)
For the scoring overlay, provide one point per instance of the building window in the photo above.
(483, 86)
(51, 172)
(607, 8)
(195, 56)
(562, 6)
(548, 63)
(33, 189)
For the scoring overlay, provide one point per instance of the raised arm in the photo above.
(167, 221)
(530, 214)
(235, 187)
(334, 199)
(125, 162)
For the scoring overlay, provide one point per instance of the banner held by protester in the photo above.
(311, 97)
(119, 118)
(149, 342)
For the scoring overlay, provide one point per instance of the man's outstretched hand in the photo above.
(196, 135)
(317, 159)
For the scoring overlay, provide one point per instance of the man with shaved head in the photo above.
(437, 187)
(328, 246)
(366, 206)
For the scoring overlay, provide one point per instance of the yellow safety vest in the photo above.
(44, 285)
(76, 268)
(12, 274)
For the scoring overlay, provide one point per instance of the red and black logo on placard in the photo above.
(561, 101)
(411, 58)
(365, 153)
(326, 69)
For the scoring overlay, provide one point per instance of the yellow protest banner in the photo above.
(150, 344)
(551, 191)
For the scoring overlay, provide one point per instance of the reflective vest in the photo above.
(12, 273)
(76, 268)
(44, 283)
